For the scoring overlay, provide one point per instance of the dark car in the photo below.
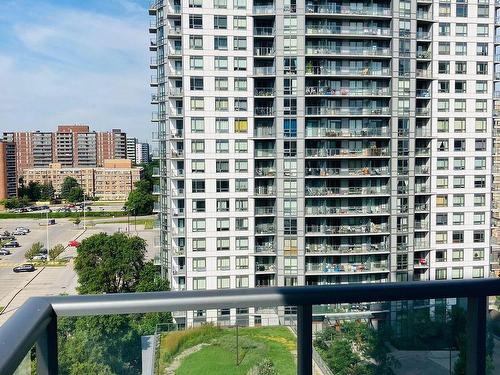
(12, 244)
(5, 251)
(24, 268)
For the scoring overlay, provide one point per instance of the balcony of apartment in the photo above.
(324, 210)
(365, 171)
(265, 172)
(346, 229)
(268, 153)
(329, 90)
(265, 190)
(267, 131)
(368, 50)
(177, 211)
(334, 129)
(35, 323)
(332, 191)
(423, 93)
(177, 154)
(364, 110)
(267, 91)
(424, 54)
(265, 247)
(328, 28)
(424, 15)
(422, 207)
(176, 173)
(422, 225)
(264, 31)
(328, 68)
(268, 70)
(264, 111)
(324, 247)
(265, 228)
(344, 8)
(264, 8)
(424, 73)
(262, 266)
(423, 151)
(423, 169)
(423, 111)
(264, 51)
(358, 267)
(324, 151)
(425, 36)
(267, 210)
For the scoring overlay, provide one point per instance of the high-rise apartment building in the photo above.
(70, 145)
(132, 149)
(8, 175)
(142, 152)
(322, 142)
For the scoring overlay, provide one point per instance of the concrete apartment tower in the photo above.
(320, 142)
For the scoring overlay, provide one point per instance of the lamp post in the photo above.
(47, 231)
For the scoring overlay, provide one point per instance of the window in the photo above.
(444, 48)
(195, 21)
(240, 146)
(459, 164)
(477, 272)
(195, 3)
(240, 125)
(480, 125)
(221, 146)
(223, 282)
(457, 273)
(444, 10)
(481, 105)
(196, 62)
(460, 87)
(478, 254)
(198, 186)
(223, 263)
(220, 63)
(462, 9)
(222, 205)
(460, 48)
(221, 104)
(442, 182)
(223, 243)
(460, 67)
(440, 255)
(458, 236)
(241, 243)
(480, 163)
(198, 166)
(197, 104)
(480, 144)
(222, 224)
(459, 182)
(441, 200)
(199, 283)
(461, 29)
(222, 186)
(444, 29)
(199, 244)
(479, 218)
(459, 105)
(241, 205)
(198, 205)
(290, 128)
(459, 125)
(482, 49)
(197, 146)
(221, 83)
(482, 30)
(443, 105)
(198, 225)
(221, 125)
(459, 144)
(483, 11)
(239, 43)
(440, 273)
(240, 104)
(478, 236)
(241, 223)
(482, 68)
(481, 87)
(241, 263)
(458, 218)
(241, 165)
(443, 86)
(220, 22)
(241, 185)
(479, 200)
(442, 145)
(196, 42)
(220, 43)
(239, 22)
(441, 219)
(240, 63)
(458, 200)
(240, 84)
(199, 264)
(479, 181)
(222, 166)
(442, 125)
(197, 125)
(444, 67)
(442, 164)
(220, 4)
(441, 237)
(241, 281)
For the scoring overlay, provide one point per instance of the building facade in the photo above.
(8, 175)
(142, 152)
(317, 142)
(114, 181)
(132, 149)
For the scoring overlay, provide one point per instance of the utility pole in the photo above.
(47, 230)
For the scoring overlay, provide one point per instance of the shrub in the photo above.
(35, 249)
(56, 251)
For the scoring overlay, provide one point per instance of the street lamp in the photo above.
(47, 230)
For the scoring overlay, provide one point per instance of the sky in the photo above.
(75, 62)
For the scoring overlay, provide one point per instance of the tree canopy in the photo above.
(67, 186)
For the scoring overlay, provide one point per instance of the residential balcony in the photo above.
(265, 172)
(426, 16)
(371, 31)
(336, 132)
(265, 210)
(354, 210)
(347, 91)
(346, 71)
(423, 93)
(265, 190)
(346, 229)
(178, 212)
(34, 324)
(265, 267)
(421, 207)
(348, 51)
(344, 152)
(422, 189)
(264, 70)
(332, 172)
(176, 173)
(264, 10)
(264, 111)
(424, 35)
(264, 51)
(265, 228)
(345, 249)
(361, 267)
(337, 9)
(265, 153)
(179, 270)
(264, 132)
(422, 169)
(423, 151)
(423, 112)
(424, 55)
(269, 247)
(424, 73)
(421, 225)
(264, 91)
(342, 191)
(263, 31)
(346, 111)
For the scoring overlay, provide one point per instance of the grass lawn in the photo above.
(60, 215)
(219, 357)
(148, 223)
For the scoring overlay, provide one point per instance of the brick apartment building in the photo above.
(8, 176)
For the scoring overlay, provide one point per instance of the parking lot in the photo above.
(15, 288)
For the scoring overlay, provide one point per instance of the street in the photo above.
(15, 288)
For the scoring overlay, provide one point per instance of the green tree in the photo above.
(56, 251)
(32, 191)
(68, 184)
(75, 195)
(47, 192)
(10, 203)
(140, 202)
(35, 249)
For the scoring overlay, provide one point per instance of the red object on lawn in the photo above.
(74, 243)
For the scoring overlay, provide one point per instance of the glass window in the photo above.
(199, 283)
(479, 200)
(239, 43)
(223, 282)
(223, 263)
(221, 125)
(458, 200)
(197, 166)
(241, 205)
(240, 125)
(241, 281)
(477, 272)
(457, 273)
(198, 225)
(220, 4)
(199, 264)
(220, 43)
(221, 83)
(220, 22)
(241, 165)
(220, 63)
(440, 273)
(199, 244)
(241, 263)
(222, 166)
(196, 62)
(241, 223)
(241, 185)
(197, 125)
(221, 146)
(222, 205)
(195, 21)
(198, 205)
(197, 146)
(242, 243)
(239, 22)
(222, 224)
(222, 185)
(240, 63)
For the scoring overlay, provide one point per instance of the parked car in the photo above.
(11, 244)
(27, 230)
(5, 237)
(74, 243)
(27, 267)
(4, 251)
(42, 257)
(20, 233)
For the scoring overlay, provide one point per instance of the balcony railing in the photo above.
(330, 152)
(345, 111)
(335, 132)
(341, 30)
(361, 171)
(35, 322)
(331, 191)
(263, 51)
(346, 248)
(354, 210)
(264, 70)
(346, 229)
(325, 70)
(264, 9)
(347, 267)
(263, 31)
(346, 91)
(347, 10)
(348, 50)
(265, 228)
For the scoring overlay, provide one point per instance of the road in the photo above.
(15, 288)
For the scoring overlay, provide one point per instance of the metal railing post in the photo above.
(304, 340)
(46, 349)
(476, 335)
